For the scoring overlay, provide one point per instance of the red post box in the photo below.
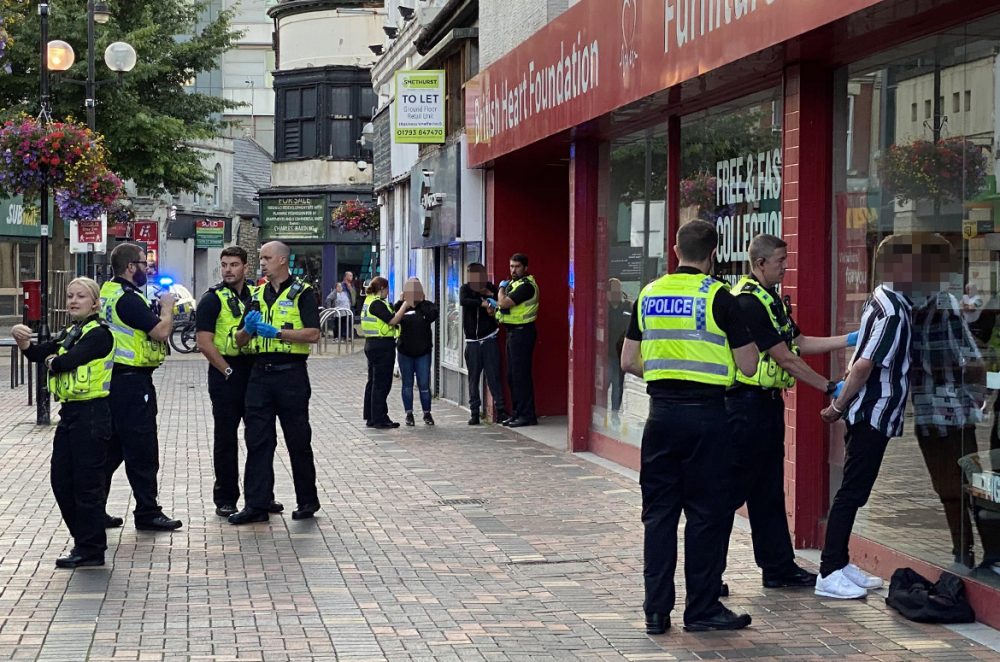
(32, 292)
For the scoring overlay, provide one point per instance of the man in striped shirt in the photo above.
(872, 403)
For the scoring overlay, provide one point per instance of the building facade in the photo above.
(832, 125)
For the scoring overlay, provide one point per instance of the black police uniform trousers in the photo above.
(381, 355)
(133, 437)
(757, 453)
(282, 391)
(681, 471)
(228, 406)
(483, 356)
(520, 354)
(79, 454)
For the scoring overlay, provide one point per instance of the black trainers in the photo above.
(226, 509)
(409, 419)
(428, 419)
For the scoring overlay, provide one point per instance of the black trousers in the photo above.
(381, 354)
(757, 452)
(484, 357)
(682, 444)
(79, 454)
(520, 353)
(278, 391)
(865, 447)
(228, 406)
(133, 439)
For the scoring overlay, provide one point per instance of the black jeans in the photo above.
(134, 440)
(279, 391)
(617, 378)
(228, 406)
(757, 452)
(79, 453)
(520, 353)
(381, 354)
(682, 447)
(865, 447)
(484, 357)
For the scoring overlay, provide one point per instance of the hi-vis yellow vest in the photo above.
(373, 327)
(132, 346)
(769, 374)
(680, 336)
(231, 311)
(89, 381)
(522, 313)
(283, 314)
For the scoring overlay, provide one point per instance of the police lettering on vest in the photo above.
(769, 374)
(132, 346)
(680, 337)
(284, 315)
(231, 311)
(524, 312)
(89, 381)
(373, 327)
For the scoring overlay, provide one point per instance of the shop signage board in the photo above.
(582, 66)
(88, 236)
(209, 233)
(419, 108)
(148, 233)
(293, 218)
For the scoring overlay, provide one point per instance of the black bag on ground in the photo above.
(918, 599)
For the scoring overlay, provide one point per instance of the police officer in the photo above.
(280, 328)
(79, 361)
(219, 314)
(686, 339)
(140, 347)
(518, 299)
(380, 327)
(756, 409)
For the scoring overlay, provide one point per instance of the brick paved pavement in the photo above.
(444, 543)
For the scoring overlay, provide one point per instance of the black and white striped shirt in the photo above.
(884, 339)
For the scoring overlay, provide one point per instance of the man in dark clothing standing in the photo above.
(619, 316)
(482, 350)
(518, 310)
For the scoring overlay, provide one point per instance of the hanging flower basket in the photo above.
(88, 199)
(34, 154)
(952, 169)
(355, 216)
(699, 191)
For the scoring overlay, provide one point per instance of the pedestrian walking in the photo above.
(413, 347)
(482, 348)
(80, 361)
(280, 327)
(619, 316)
(218, 317)
(517, 311)
(687, 339)
(872, 402)
(756, 409)
(379, 325)
(140, 348)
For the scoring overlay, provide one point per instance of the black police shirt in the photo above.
(728, 316)
(209, 308)
(135, 313)
(308, 303)
(759, 322)
(380, 309)
(96, 344)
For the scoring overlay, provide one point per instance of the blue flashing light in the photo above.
(165, 281)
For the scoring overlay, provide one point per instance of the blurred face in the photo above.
(79, 303)
(348, 276)
(772, 270)
(234, 270)
(476, 280)
(340, 288)
(614, 291)
(517, 270)
(413, 291)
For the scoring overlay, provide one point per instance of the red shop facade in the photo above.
(833, 124)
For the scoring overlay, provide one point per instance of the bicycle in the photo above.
(184, 336)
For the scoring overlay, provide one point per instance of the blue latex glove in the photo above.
(251, 320)
(493, 302)
(504, 284)
(267, 331)
(852, 339)
(836, 391)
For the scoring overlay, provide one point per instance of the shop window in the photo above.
(931, 185)
(457, 257)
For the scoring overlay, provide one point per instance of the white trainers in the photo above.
(861, 578)
(837, 585)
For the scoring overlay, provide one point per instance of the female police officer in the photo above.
(79, 361)
(380, 328)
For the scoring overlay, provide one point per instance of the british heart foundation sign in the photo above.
(603, 54)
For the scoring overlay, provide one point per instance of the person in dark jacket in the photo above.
(414, 345)
(482, 349)
(79, 360)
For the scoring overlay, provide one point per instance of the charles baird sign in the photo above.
(419, 116)
(293, 218)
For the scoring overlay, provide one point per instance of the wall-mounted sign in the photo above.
(293, 218)
(209, 233)
(18, 221)
(148, 232)
(419, 116)
(88, 236)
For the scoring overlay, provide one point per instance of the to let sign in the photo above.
(419, 116)
(209, 233)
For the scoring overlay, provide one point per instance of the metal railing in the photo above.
(339, 323)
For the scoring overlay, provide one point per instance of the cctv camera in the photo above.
(377, 49)
(362, 165)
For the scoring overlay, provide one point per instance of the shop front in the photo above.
(833, 125)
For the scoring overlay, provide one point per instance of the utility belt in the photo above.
(267, 366)
(480, 341)
(747, 391)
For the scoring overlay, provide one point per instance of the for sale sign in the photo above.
(419, 116)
